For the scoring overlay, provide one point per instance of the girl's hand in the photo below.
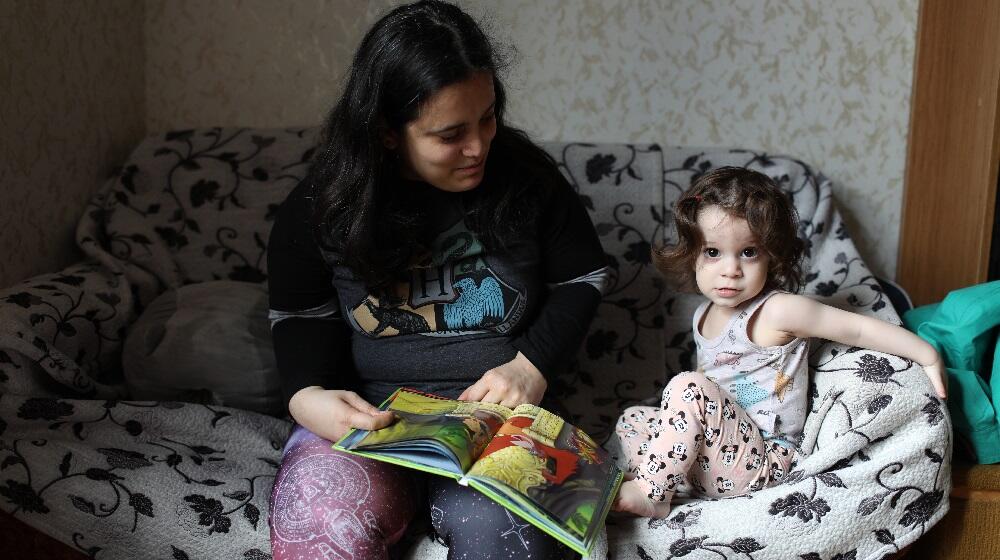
(516, 382)
(939, 377)
(330, 414)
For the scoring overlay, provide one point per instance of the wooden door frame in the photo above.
(953, 151)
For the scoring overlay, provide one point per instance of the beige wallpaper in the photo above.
(828, 82)
(71, 108)
(247, 62)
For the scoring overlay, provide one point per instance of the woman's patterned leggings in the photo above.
(329, 504)
(699, 442)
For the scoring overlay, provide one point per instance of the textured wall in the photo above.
(249, 63)
(71, 108)
(828, 82)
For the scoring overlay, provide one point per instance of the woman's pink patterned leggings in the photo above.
(330, 504)
(699, 442)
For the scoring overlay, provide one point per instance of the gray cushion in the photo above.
(207, 343)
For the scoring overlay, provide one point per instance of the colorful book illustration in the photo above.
(532, 462)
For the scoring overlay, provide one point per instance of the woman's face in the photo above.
(447, 144)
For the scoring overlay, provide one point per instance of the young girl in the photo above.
(728, 428)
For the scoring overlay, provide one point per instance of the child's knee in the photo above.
(686, 378)
(684, 389)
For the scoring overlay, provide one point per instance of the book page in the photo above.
(542, 462)
(460, 429)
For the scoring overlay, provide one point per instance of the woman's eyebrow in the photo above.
(451, 127)
(448, 128)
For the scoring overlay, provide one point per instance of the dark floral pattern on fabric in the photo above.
(44, 409)
(680, 520)
(873, 297)
(122, 459)
(825, 289)
(103, 473)
(849, 555)
(135, 481)
(24, 299)
(209, 513)
(23, 496)
(691, 517)
(683, 547)
(875, 369)
(599, 167)
(168, 213)
(919, 510)
(69, 325)
(801, 506)
(932, 410)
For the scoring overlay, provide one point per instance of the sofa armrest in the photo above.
(61, 334)
(866, 396)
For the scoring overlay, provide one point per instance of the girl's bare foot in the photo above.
(633, 499)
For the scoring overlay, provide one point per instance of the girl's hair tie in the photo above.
(697, 197)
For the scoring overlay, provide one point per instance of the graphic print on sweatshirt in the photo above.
(454, 292)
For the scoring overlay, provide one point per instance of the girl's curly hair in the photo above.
(741, 193)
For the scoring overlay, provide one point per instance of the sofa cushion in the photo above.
(208, 343)
(619, 184)
(196, 205)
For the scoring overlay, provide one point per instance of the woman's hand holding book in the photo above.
(515, 382)
(332, 413)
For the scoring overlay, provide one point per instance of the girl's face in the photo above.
(447, 144)
(731, 269)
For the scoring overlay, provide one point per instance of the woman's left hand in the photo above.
(516, 382)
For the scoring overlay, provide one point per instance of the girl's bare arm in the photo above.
(804, 317)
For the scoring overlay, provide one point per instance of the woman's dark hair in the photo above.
(362, 212)
(741, 193)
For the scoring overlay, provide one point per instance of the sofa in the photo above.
(87, 460)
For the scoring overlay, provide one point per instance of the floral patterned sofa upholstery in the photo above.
(110, 476)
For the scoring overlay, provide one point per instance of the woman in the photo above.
(431, 246)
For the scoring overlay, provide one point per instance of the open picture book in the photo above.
(530, 461)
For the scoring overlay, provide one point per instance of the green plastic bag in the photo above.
(964, 329)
